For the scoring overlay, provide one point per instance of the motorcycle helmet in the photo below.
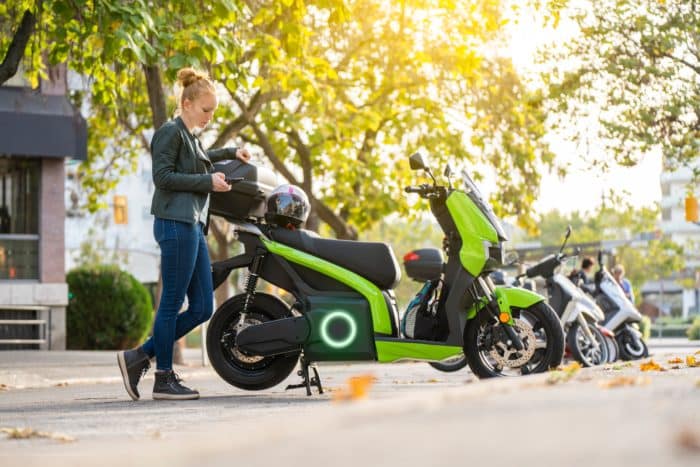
(287, 206)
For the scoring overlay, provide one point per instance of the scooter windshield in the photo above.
(475, 195)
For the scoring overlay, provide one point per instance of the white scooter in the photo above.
(621, 316)
(590, 342)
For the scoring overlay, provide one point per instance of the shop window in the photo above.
(19, 218)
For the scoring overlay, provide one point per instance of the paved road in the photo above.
(414, 415)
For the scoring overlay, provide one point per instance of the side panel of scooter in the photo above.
(474, 228)
(341, 329)
(380, 318)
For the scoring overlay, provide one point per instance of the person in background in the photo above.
(618, 273)
(183, 176)
(584, 277)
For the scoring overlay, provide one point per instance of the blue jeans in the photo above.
(185, 267)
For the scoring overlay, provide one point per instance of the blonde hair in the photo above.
(193, 83)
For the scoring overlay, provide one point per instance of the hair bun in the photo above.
(188, 76)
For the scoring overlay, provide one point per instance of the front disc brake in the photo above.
(508, 356)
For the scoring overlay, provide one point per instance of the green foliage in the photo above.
(336, 93)
(109, 309)
(634, 68)
(693, 331)
(645, 327)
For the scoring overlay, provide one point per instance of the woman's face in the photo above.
(198, 112)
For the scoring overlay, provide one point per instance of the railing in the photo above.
(22, 337)
(672, 330)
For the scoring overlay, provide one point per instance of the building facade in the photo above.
(39, 129)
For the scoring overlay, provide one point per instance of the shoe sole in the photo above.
(174, 397)
(125, 376)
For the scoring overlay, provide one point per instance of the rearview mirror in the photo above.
(416, 162)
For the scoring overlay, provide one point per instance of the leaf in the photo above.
(688, 440)
(651, 365)
(358, 388)
(563, 374)
(675, 360)
(623, 381)
(26, 433)
(691, 362)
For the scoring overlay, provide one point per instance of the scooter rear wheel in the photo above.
(450, 365)
(250, 372)
(480, 343)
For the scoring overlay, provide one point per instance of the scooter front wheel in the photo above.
(489, 353)
(584, 351)
(631, 347)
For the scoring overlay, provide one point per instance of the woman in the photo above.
(183, 180)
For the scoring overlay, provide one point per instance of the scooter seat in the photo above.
(372, 260)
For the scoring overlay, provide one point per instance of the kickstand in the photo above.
(306, 381)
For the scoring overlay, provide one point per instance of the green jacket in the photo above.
(182, 178)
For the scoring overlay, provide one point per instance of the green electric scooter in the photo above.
(344, 308)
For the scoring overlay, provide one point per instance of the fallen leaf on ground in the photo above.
(563, 374)
(688, 440)
(676, 360)
(4, 387)
(25, 433)
(651, 365)
(623, 381)
(358, 388)
(434, 380)
(690, 361)
(60, 385)
(697, 352)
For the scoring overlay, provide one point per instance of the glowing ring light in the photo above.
(338, 344)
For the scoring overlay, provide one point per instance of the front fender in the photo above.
(508, 297)
(516, 297)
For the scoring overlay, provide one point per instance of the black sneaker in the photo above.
(167, 386)
(133, 364)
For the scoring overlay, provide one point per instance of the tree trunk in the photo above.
(15, 52)
(156, 96)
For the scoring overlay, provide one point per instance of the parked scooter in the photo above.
(589, 342)
(345, 308)
(621, 316)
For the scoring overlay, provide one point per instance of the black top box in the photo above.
(425, 264)
(250, 187)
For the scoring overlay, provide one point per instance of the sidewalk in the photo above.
(21, 369)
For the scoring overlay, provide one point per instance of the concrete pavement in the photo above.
(414, 415)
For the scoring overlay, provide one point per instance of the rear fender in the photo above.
(221, 269)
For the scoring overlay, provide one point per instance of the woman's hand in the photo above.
(218, 182)
(243, 154)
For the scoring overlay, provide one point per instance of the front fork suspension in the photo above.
(495, 310)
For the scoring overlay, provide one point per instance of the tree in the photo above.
(634, 68)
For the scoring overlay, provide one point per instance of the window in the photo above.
(666, 189)
(666, 214)
(19, 218)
